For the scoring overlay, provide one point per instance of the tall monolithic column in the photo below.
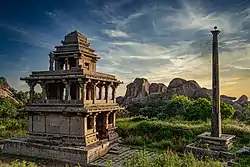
(216, 114)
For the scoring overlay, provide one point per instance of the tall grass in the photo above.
(174, 134)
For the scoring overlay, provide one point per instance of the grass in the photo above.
(175, 134)
(141, 133)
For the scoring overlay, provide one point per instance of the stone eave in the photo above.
(76, 108)
(66, 53)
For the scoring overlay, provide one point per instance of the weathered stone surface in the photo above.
(157, 88)
(39, 123)
(6, 90)
(203, 93)
(139, 88)
(176, 82)
(70, 154)
(180, 86)
(242, 100)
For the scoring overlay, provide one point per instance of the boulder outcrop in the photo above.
(140, 88)
(157, 88)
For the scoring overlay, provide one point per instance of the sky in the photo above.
(154, 39)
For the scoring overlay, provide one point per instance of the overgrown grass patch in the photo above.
(175, 134)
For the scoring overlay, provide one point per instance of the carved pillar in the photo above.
(94, 92)
(51, 61)
(56, 64)
(94, 122)
(114, 87)
(83, 86)
(32, 91)
(114, 116)
(67, 86)
(77, 61)
(67, 67)
(44, 93)
(107, 120)
(107, 93)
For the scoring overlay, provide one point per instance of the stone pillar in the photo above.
(77, 61)
(67, 64)
(32, 91)
(57, 66)
(216, 114)
(51, 61)
(107, 120)
(44, 93)
(107, 93)
(83, 86)
(100, 91)
(114, 87)
(67, 86)
(114, 116)
(94, 92)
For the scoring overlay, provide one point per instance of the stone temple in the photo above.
(74, 121)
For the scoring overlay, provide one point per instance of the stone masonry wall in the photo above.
(56, 124)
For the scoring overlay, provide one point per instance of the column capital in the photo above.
(215, 32)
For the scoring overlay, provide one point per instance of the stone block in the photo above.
(76, 126)
(70, 154)
(64, 125)
(38, 123)
(222, 143)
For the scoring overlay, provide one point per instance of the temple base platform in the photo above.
(69, 154)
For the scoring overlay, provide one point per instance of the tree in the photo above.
(200, 109)
(177, 105)
(227, 110)
(7, 108)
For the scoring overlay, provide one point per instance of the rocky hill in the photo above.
(140, 88)
(6, 90)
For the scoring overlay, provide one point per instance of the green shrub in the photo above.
(7, 108)
(200, 109)
(227, 110)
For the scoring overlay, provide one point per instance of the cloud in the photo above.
(115, 33)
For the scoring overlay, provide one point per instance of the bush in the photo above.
(178, 105)
(7, 108)
(199, 109)
(227, 110)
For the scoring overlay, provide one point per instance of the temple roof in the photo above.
(75, 37)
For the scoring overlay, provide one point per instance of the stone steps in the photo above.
(118, 150)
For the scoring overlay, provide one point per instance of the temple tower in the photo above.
(77, 107)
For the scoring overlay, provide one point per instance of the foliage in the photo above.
(7, 108)
(170, 159)
(179, 107)
(246, 114)
(199, 109)
(227, 110)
